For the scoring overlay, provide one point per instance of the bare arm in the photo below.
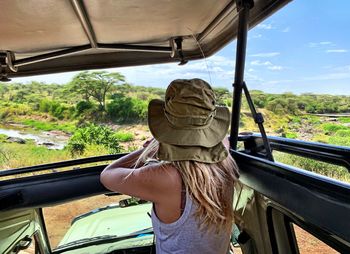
(127, 161)
(150, 182)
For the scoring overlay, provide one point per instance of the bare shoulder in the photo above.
(162, 174)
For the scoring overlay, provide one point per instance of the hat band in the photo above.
(189, 122)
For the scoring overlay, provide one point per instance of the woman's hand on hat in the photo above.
(226, 142)
(147, 142)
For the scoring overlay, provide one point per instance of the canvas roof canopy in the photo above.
(50, 36)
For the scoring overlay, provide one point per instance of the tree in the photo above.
(96, 85)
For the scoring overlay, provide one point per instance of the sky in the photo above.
(303, 48)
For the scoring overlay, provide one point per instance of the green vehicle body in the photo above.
(112, 223)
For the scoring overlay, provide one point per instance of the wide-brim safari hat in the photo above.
(188, 125)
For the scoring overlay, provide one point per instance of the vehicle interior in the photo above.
(44, 37)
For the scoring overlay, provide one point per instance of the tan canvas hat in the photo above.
(188, 124)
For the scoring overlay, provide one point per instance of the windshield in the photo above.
(105, 239)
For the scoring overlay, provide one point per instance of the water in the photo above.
(58, 140)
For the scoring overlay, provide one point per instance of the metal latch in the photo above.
(6, 62)
(176, 49)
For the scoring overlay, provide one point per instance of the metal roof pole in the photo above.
(243, 7)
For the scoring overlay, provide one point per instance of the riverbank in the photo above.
(130, 137)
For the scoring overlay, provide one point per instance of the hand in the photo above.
(226, 142)
(147, 142)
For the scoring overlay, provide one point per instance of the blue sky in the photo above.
(305, 47)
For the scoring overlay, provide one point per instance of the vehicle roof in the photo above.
(49, 36)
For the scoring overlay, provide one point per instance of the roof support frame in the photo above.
(69, 51)
(243, 6)
(83, 17)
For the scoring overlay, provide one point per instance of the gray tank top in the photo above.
(184, 236)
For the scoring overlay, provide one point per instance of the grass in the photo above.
(124, 136)
(47, 126)
(332, 128)
(344, 119)
(15, 155)
(319, 167)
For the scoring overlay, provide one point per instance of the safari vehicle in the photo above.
(270, 200)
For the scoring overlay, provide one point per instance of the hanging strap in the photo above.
(259, 119)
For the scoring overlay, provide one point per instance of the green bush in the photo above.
(123, 109)
(54, 108)
(83, 106)
(93, 135)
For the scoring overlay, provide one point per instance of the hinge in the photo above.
(244, 3)
(6, 63)
(176, 49)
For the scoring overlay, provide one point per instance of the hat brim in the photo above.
(213, 154)
(164, 132)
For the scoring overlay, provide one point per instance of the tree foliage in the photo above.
(96, 85)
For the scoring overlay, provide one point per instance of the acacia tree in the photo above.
(96, 85)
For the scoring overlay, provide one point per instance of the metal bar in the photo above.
(80, 10)
(258, 118)
(239, 72)
(52, 55)
(60, 164)
(229, 8)
(65, 52)
(313, 154)
(131, 47)
(322, 152)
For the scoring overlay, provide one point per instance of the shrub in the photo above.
(93, 135)
(54, 108)
(83, 106)
(124, 109)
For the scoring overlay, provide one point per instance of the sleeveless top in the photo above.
(184, 236)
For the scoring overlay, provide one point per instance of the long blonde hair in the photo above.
(209, 184)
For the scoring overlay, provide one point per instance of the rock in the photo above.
(57, 133)
(280, 131)
(47, 144)
(16, 140)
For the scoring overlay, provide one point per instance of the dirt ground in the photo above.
(58, 218)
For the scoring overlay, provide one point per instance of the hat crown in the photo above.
(189, 103)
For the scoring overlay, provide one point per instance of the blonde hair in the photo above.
(209, 184)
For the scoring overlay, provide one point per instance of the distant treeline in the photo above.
(107, 97)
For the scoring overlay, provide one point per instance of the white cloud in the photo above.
(275, 68)
(269, 54)
(265, 26)
(320, 44)
(336, 50)
(330, 76)
(286, 30)
(260, 63)
(273, 82)
(256, 36)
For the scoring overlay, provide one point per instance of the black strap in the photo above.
(259, 119)
(183, 197)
